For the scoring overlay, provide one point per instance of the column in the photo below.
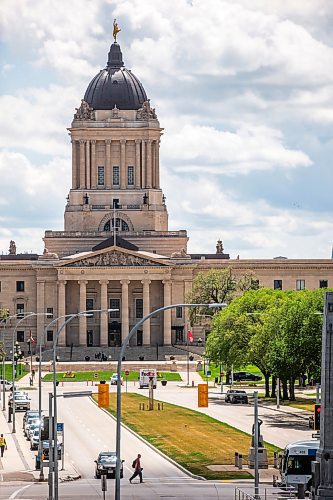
(83, 319)
(167, 313)
(137, 173)
(153, 172)
(146, 310)
(103, 340)
(124, 309)
(74, 165)
(93, 165)
(149, 169)
(82, 165)
(88, 175)
(143, 165)
(40, 309)
(123, 176)
(61, 310)
(187, 290)
(157, 164)
(108, 164)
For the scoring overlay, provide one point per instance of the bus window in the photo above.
(299, 464)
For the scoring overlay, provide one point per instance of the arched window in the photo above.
(120, 224)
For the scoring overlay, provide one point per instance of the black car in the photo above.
(236, 396)
(238, 376)
(106, 464)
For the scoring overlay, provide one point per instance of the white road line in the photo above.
(14, 495)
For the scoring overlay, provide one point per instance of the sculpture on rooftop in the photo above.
(116, 30)
(12, 248)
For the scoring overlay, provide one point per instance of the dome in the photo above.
(115, 85)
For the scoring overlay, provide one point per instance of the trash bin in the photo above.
(164, 382)
(87, 358)
(37, 462)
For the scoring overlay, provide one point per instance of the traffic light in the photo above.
(316, 419)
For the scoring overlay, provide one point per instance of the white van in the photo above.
(145, 376)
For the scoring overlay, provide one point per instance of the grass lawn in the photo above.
(192, 439)
(8, 371)
(301, 403)
(105, 375)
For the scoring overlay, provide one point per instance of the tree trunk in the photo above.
(292, 389)
(266, 375)
(285, 395)
(273, 393)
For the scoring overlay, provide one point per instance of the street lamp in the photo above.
(53, 447)
(120, 357)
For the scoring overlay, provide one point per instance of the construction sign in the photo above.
(103, 395)
(203, 395)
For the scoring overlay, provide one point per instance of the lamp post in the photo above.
(53, 445)
(120, 357)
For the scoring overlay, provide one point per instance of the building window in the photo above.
(300, 284)
(49, 335)
(277, 284)
(89, 304)
(130, 176)
(20, 310)
(0, 286)
(115, 176)
(179, 312)
(20, 286)
(115, 304)
(139, 308)
(108, 226)
(20, 336)
(323, 283)
(100, 178)
(49, 312)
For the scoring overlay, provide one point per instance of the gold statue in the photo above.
(116, 30)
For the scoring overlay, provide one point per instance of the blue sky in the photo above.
(243, 89)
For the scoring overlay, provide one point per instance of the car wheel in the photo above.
(97, 476)
(232, 401)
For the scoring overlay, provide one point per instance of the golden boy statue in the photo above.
(116, 30)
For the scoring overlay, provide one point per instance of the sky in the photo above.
(242, 88)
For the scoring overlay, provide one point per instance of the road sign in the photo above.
(60, 426)
(209, 373)
(126, 373)
(95, 375)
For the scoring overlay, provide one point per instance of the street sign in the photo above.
(209, 373)
(95, 375)
(126, 373)
(60, 427)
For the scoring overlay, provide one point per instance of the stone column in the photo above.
(82, 165)
(157, 164)
(149, 165)
(40, 310)
(108, 164)
(104, 315)
(153, 164)
(93, 165)
(124, 309)
(167, 313)
(88, 174)
(83, 307)
(137, 172)
(143, 165)
(187, 289)
(123, 176)
(61, 310)
(146, 310)
(74, 165)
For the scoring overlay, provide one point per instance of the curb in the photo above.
(173, 462)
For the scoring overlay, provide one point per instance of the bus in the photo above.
(295, 464)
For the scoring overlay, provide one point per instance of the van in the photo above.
(145, 376)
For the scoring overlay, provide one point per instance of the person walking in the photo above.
(3, 444)
(137, 469)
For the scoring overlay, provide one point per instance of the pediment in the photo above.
(114, 257)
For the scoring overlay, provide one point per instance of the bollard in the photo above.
(276, 456)
(236, 458)
(162, 406)
(240, 461)
(192, 383)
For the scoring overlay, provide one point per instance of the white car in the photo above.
(114, 379)
(34, 440)
(29, 423)
(4, 383)
(32, 429)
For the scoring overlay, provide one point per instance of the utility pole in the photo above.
(323, 466)
(256, 445)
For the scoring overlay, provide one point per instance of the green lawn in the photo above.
(191, 438)
(9, 374)
(106, 375)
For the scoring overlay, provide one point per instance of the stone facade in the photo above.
(116, 182)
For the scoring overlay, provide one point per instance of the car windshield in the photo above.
(299, 464)
(107, 458)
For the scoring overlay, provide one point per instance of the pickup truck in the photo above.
(22, 402)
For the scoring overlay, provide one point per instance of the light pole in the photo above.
(53, 446)
(120, 357)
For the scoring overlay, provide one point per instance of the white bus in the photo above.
(295, 464)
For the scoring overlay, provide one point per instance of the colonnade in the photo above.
(145, 162)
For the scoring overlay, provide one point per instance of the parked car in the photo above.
(34, 440)
(236, 396)
(114, 379)
(46, 450)
(4, 383)
(22, 402)
(32, 428)
(238, 376)
(106, 464)
(30, 413)
(30, 420)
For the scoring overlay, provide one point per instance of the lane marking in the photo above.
(14, 495)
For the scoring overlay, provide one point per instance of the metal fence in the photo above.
(269, 493)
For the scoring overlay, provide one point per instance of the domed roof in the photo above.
(115, 85)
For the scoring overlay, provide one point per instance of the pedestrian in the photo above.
(3, 445)
(137, 469)
(33, 374)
